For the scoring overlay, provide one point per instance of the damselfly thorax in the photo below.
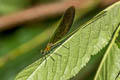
(47, 49)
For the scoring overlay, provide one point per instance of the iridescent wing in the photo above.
(64, 26)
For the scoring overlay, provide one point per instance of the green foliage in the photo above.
(12, 6)
(76, 51)
(109, 67)
(22, 46)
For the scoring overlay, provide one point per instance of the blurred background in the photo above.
(27, 25)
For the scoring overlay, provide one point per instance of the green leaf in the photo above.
(76, 51)
(109, 66)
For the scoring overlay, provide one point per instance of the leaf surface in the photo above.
(109, 66)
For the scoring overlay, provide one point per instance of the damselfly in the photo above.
(62, 29)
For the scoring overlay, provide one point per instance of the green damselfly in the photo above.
(62, 29)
